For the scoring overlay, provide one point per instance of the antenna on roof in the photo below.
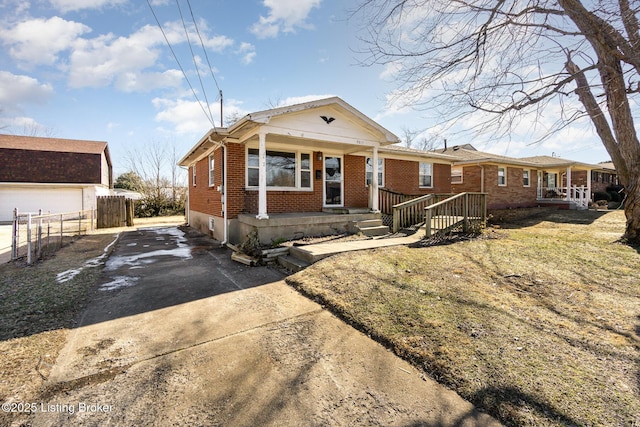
(221, 124)
(445, 144)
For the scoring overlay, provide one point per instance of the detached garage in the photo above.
(55, 175)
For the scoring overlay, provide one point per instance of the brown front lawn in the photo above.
(537, 324)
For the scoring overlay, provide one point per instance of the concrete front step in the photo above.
(292, 263)
(379, 230)
(372, 227)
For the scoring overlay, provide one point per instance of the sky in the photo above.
(103, 70)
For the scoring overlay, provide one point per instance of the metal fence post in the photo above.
(29, 238)
(39, 235)
(14, 236)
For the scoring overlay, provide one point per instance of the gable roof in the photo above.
(551, 161)
(248, 126)
(59, 145)
(266, 115)
(467, 153)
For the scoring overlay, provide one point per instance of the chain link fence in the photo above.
(37, 235)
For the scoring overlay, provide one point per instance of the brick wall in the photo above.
(202, 197)
(356, 192)
(403, 176)
(50, 167)
(513, 195)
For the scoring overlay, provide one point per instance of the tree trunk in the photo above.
(632, 209)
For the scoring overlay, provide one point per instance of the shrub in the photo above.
(601, 195)
(615, 196)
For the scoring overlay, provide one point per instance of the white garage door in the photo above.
(31, 199)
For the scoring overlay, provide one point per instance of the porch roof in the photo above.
(557, 162)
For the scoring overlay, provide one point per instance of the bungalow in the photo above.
(310, 168)
(520, 182)
(52, 174)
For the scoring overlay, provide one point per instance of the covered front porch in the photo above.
(570, 187)
(294, 226)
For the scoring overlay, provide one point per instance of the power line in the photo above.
(195, 63)
(203, 48)
(180, 66)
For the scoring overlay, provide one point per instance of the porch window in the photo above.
(525, 178)
(456, 175)
(502, 176)
(426, 175)
(283, 168)
(212, 165)
(369, 177)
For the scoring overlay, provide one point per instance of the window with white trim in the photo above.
(285, 169)
(426, 175)
(502, 176)
(369, 170)
(456, 174)
(193, 175)
(526, 181)
(212, 168)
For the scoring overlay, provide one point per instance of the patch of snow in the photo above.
(132, 244)
(119, 282)
(65, 276)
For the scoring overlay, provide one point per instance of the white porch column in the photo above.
(374, 182)
(569, 193)
(262, 177)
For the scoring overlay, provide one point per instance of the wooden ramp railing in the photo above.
(411, 212)
(463, 209)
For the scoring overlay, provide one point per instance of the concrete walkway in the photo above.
(315, 252)
(178, 334)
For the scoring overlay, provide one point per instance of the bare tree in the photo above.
(515, 59)
(414, 138)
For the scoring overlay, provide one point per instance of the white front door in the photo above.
(333, 182)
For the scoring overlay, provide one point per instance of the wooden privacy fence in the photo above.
(114, 211)
(36, 234)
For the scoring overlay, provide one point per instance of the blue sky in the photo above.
(101, 70)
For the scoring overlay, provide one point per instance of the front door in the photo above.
(333, 184)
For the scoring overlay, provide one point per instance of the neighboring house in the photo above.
(520, 182)
(52, 174)
(301, 170)
(604, 177)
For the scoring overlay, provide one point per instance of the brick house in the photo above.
(306, 169)
(52, 174)
(520, 182)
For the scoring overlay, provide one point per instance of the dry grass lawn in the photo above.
(537, 324)
(36, 313)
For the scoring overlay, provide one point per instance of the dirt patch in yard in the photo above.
(536, 323)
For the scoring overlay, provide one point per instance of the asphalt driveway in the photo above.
(178, 334)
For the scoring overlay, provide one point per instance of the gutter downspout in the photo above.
(224, 196)
(225, 232)
(186, 207)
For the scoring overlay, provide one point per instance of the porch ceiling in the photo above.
(279, 140)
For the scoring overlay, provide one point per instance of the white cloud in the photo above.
(293, 100)
(186, 116)
(17, 90)
(39, 41)
(247, 51)
(74, 5)
(285, 16)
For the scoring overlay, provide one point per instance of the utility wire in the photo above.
(195, 63)
(180, 66)
(203, 48)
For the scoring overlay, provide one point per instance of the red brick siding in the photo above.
(50, 167)
(403, 176)
(203, 198)
(236, 177)
(513, 195)
(356, 192)
(289, 201)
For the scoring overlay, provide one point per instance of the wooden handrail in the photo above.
(411, 212)
(462, 209)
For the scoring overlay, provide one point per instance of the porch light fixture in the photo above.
(319, 156)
